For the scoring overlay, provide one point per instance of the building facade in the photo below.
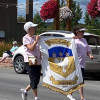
(9, 28)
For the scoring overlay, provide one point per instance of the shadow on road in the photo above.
(92, 77)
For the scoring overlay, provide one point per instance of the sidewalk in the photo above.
(7, 63)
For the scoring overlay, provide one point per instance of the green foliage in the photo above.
(62, 25)
(21, 19)
(92, 30)
(77, 13)
(87, 19)
(92, 22)
(49, 25)
(41, 24)
(93, 25)
(37, 19)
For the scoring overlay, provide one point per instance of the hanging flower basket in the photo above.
(49, 10)
(92, 9)
(65, 14)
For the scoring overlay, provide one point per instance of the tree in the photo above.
(41, 24)
(21, 19)
(87, 19)
(92, 24)
(77, 13)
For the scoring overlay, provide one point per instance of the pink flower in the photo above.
(98, 3)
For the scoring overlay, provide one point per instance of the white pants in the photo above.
(5, 55)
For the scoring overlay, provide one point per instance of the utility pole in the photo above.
(29, 10)
(68, 24)
(56, 19)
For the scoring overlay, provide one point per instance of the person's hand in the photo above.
(91, 57)
(37, 37)
(74, 37)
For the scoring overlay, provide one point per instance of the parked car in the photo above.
(91, 66)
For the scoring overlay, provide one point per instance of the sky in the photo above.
(38, 3)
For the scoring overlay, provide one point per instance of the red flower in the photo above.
(49, 10)
(92, 9)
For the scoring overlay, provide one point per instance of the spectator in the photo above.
(10, 53)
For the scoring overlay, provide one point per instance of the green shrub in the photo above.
(4, 46)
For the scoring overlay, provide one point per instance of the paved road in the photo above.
(11, 83)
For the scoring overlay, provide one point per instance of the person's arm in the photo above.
(32, 46)
(89, 51)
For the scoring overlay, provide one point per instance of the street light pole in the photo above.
(56, 19)
(68, 24)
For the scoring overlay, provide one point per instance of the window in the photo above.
(46, 35)
(21, 11)
(55, 35)
(98, 40)
(2, 34)
(58, 35)
(92, 40)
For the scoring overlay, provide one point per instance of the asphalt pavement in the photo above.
(11, 83)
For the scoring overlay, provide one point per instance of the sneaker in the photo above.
(70, 97)
(24, 94)
(36, 98)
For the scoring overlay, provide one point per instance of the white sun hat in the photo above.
(28, 25)
(82, 29)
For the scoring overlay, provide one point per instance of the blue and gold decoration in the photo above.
(60, 66)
